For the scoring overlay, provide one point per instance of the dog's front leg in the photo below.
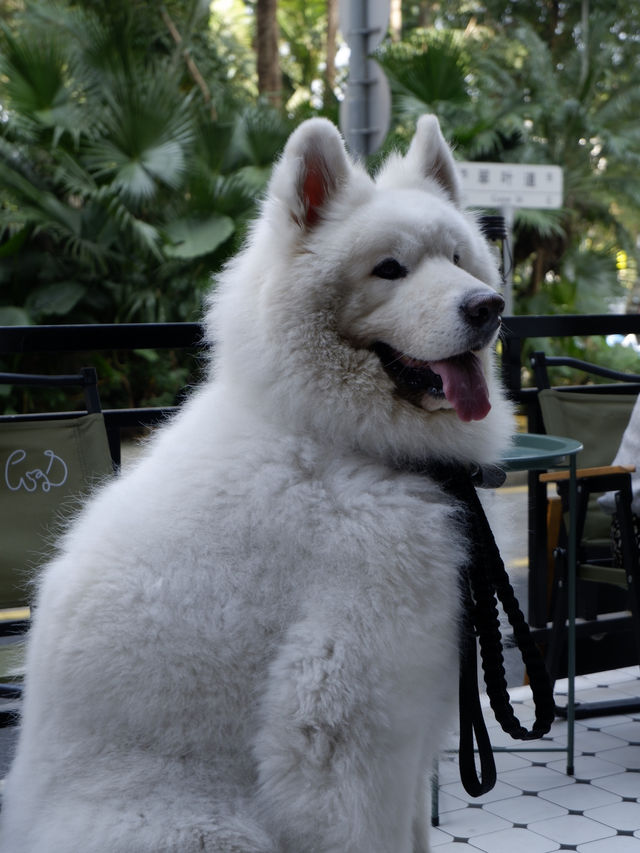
(422, 814)
(337, 766)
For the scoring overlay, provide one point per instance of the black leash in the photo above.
(484, 580)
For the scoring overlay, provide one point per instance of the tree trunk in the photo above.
(424, 13)
(332, 34)
(584, 26)
(267, 55)
(395, 20)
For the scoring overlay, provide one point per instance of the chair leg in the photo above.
(630, 564)
(632, 572)
(435, 796)
(633, 597)
(559, 619)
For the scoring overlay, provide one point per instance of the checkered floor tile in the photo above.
(535, 806)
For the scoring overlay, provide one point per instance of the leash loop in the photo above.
(485, 581)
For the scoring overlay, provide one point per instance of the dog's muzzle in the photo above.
(454, 383)
(457, 382)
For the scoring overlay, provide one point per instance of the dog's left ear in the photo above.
(313, 168)
(430, 155)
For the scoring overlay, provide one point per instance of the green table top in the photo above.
(531, 451)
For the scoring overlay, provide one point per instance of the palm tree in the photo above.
(268, 51)
(120, 194)
(122, 186)
(505, 95)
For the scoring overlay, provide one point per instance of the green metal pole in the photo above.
(571, 628)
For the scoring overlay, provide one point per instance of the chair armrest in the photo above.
(584, 473)
(14, 621)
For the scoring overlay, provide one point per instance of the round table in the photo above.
(533, 452)
(530, 452)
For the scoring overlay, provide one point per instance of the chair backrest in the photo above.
(47, 462)
(540, 362)
(596, 420)
(595, 415)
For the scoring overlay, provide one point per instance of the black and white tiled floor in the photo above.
(535, 807)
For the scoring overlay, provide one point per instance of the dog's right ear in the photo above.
(429, 156)
(313, 168)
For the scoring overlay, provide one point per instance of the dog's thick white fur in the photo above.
(248, 642)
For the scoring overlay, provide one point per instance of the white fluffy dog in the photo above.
(248, 642)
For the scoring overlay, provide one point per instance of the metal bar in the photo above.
(508, 214)
(571, 640)
(511, 357)
(568, 325)
(435, 797)
(366, 131)
(529, 749)
(21, 339)
(17, 339)
(366, 31)
(42, 379)
(537, 550)
(579, 364)
(359, 77)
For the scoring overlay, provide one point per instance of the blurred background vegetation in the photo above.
(136, 138)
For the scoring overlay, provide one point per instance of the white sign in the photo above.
(510, 185)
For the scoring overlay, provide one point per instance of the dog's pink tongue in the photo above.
(464, 386)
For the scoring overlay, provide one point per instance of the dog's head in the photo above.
(366, 310)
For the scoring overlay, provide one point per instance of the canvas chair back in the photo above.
(46, 467)
(598, 421)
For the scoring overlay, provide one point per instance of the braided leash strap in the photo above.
(484, 581)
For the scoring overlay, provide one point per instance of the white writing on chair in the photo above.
(51, 476)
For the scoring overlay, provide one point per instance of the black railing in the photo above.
(122, 336)
(135, 336)
(516, 331)
(96, 337)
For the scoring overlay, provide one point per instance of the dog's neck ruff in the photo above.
(483, 579)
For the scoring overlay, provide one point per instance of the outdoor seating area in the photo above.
(319, 426)
(536, 806)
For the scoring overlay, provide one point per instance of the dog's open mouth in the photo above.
(452, 383)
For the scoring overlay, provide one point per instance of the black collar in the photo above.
(448, 472)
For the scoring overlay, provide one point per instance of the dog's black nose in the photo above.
(482, 310)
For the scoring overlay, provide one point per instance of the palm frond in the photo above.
(42, 89)
(145, 236)
(42, 205)
(148, 133)
(259, 135)
(546, 223)
(430, 69)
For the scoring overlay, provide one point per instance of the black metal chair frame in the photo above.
(591, 560)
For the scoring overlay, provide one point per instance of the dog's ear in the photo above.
(314, 166)
(430, 155)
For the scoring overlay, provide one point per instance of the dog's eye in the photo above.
(389, 269)
(456, 259)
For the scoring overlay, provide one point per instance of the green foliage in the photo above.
(122, 187)
(427, 68)
(133, 147)
(538, 89)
